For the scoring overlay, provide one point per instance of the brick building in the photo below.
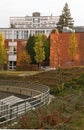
(15, 46)
(64, 55)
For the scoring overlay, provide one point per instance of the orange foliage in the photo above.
(23, 58)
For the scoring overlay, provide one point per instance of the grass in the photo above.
(66, 111)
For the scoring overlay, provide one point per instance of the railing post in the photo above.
(17, 111)
(7, 112)
(25, 106)
(42, 97)
(10, 112)
(31, 93)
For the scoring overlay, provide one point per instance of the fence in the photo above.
(39, 95)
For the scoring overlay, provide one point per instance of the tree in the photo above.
(72, 46)
(57, 47)
(39, 51)
(12, 26)
(46, 45)
(23, 58)
(30, 48)
(31, 43)
(3, 51)
(56, 52)
(65, 19)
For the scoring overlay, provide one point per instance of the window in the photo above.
(12, 65)
(12, 50)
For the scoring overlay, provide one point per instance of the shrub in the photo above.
(54, 90)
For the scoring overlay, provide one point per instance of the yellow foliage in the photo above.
(1, 38)
(3, 50)
(72, 46)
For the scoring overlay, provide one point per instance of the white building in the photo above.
(23, 33)
(22, 27)
(34, 21)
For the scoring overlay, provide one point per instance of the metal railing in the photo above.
(39, 96)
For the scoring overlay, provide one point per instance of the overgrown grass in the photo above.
(73, 85)
(66, 111)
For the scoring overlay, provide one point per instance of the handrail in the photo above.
(38, 98)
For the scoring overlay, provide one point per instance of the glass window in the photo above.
(12, 65)
(12, 50)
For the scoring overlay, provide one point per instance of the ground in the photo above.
(66, 111)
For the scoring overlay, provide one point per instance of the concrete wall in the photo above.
(19, 90)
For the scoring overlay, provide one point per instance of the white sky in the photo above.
(9, 8)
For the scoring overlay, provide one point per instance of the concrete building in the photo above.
(22, 27)
(34, 21)
(23, 33)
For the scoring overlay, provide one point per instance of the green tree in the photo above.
(3, 51)
(65, 19)
(46, 45)
(30, 48)
(73, 44)
(39, 51)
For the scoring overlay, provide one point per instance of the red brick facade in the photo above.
(64, 55)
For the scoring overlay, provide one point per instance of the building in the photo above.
(23, 33)
(20, 28)
(63, 58)
(13, 49)
(34, 21)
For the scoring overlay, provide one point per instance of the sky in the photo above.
(10, 8)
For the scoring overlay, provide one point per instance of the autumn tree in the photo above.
(56, 52)
(65, 19)
(73, 44)
(3, 51)
(39, 51)
(23, 59)
(57, 47)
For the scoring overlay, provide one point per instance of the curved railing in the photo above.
(38, 96)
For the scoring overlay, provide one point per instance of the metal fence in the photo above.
(39, 97)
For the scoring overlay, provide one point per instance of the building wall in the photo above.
(65, 60)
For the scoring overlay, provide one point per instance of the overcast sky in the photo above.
(9, 8)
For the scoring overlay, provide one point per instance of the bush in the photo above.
(54, 90)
